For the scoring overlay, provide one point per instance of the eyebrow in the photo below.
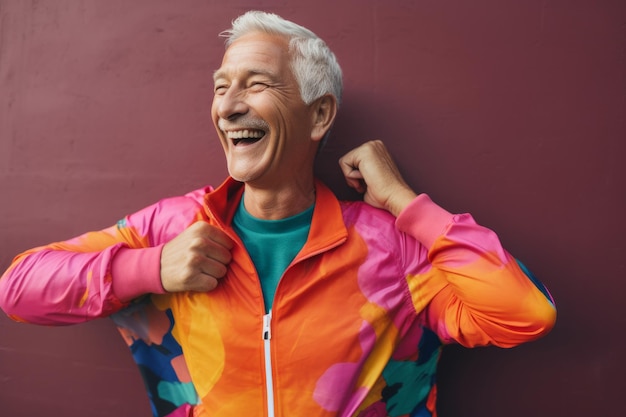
(250, 72)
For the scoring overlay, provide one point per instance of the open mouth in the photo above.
(245, 137)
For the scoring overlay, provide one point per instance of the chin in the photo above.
(240, 176)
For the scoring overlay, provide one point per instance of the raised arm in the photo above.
(472, 291)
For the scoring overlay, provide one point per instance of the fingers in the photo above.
(213, 233)
(349, 165)
(354, 179)
(211, 242)
(367, 165)
(196, 259)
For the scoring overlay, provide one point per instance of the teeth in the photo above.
(244, 134)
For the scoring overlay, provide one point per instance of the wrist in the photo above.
(400, 200)
(424, 220)
(135, 272)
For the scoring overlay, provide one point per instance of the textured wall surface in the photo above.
(512, 110)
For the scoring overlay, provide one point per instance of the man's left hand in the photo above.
(370, 170)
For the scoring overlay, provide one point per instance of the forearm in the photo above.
(488, 301)
(55, 287)
(480, 294)
(85, 278)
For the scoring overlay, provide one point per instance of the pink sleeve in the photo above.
(136, 272)
(56, 287)
(424, 220)
(98, 273)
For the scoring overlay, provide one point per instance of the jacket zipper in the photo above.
(267, 318)
(269, 382)
(267, 335)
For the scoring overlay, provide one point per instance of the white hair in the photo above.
(313, 63)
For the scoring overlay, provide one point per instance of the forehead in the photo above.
(256, 52)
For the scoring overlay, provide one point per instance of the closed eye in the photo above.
(258, 86)
(220, 89)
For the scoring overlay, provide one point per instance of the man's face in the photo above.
(262, 122)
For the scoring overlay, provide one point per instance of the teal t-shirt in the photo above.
(272, 244)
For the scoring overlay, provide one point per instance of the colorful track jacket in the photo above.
(358, 320)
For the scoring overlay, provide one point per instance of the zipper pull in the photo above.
(267, 332)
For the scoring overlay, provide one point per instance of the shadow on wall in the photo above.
(366, 115)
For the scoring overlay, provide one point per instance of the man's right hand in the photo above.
(196, 259)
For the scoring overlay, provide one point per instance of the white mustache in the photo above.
(243, 123)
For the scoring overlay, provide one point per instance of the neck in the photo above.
(279, 202)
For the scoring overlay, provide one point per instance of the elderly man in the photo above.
(278, 299)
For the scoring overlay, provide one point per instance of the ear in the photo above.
(323, 112)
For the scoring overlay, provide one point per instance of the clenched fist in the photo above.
(370, 170)
(196, 259)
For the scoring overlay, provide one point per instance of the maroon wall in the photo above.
(512, 110)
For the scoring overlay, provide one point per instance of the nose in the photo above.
(231, 104)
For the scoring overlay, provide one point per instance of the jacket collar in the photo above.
(327, 226)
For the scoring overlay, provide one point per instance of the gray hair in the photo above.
(313, 63)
